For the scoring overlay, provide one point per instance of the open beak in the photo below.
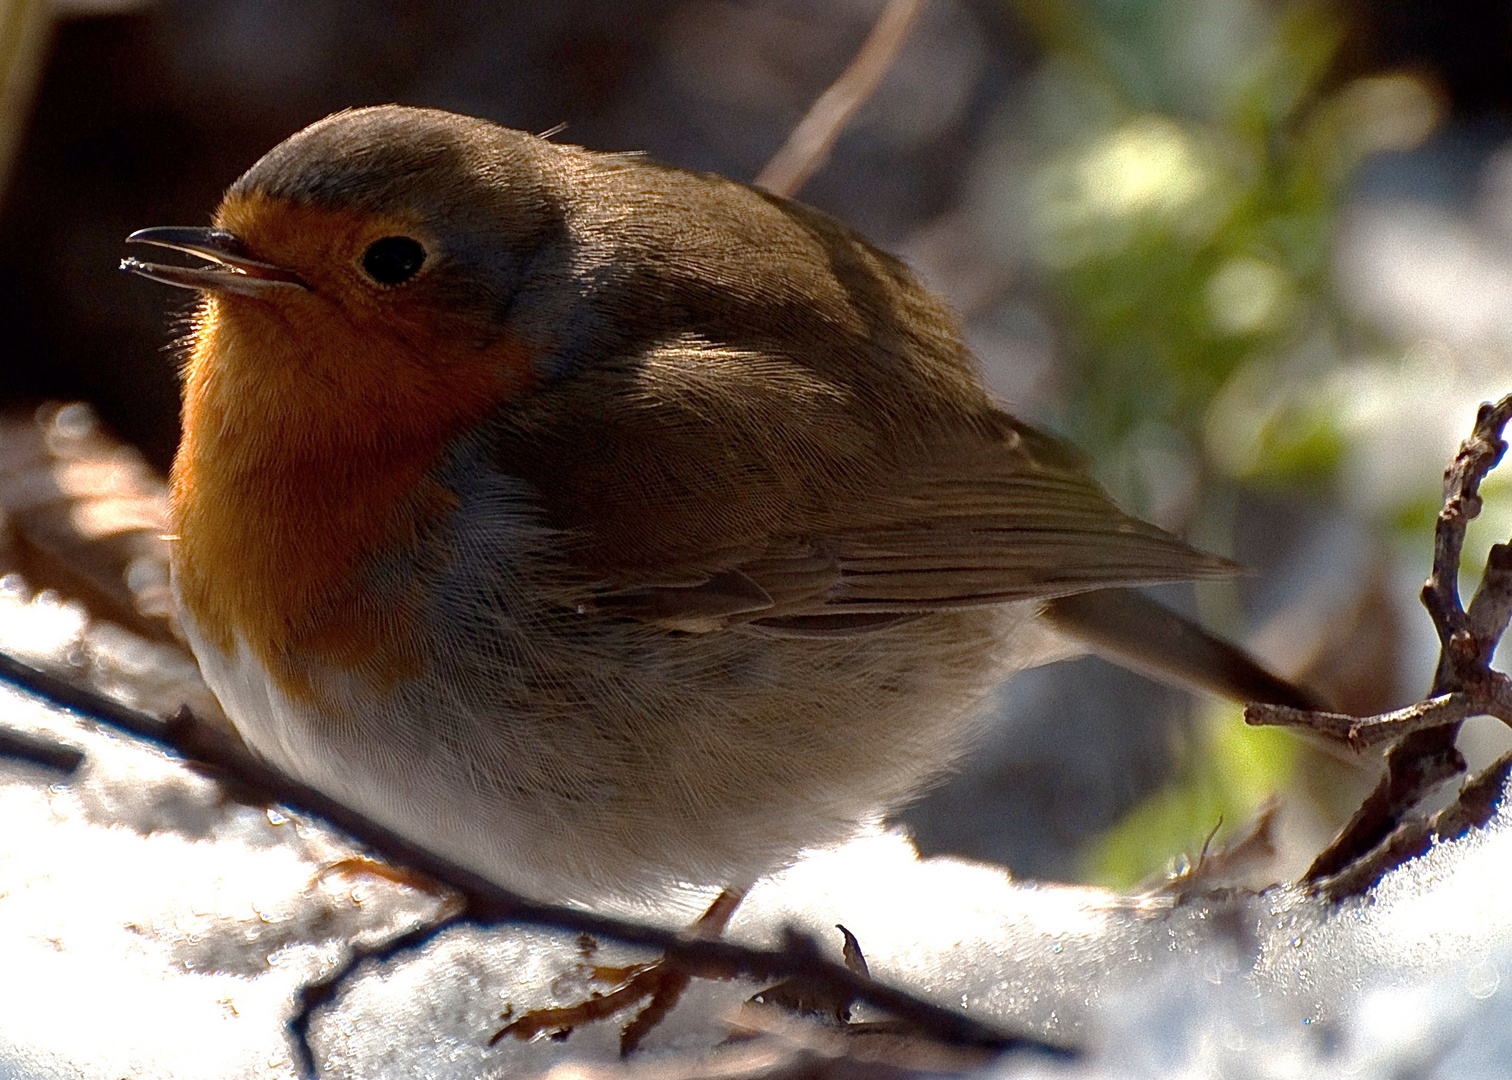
(231, 268)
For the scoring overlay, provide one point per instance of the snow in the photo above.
(151, 927)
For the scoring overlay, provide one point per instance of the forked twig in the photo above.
(809, 144)
(1367, 732)
(1476, 804)
(1464, 685)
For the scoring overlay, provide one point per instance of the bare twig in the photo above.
(1424, 759)
(40, 750)
(1476, 804)
(322, 991)
(486, 903)
(1474, 807)
(809, 144)
(1366, 732)
(26, 32)
(1223, 866)
(1379, 836)
(770, 1044)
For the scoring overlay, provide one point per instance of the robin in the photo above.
(608, 527)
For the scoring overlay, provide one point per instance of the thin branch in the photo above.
(488, 904)
(809, 145)
(1383, 834)
(320, 992)
(1476, 804)
(1474, 807)
(1364, 733)
(41, 751)
(1491, 607)
(1426, 756)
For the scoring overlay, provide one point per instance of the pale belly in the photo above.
(570, 755)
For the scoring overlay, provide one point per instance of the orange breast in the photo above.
(306, 447)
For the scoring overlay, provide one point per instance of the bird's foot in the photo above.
(359, 866)
(658, 984)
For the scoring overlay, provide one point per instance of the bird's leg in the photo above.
(363, 866)
(657, 983)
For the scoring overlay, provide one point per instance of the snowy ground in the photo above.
(149, 927)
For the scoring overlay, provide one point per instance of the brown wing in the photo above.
(759, 418)
(704, 486)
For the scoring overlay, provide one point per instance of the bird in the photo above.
(608, 528)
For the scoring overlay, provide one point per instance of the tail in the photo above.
(1138, 633)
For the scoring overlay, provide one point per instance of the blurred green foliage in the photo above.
(1239, 768)
(1187, 162)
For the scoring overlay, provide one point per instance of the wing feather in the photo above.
(705, 486)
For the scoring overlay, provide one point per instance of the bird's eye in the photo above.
(393, 260)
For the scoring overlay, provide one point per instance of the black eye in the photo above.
(393, 259)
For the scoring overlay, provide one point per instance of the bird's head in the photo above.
(360, 297)
(370, 262)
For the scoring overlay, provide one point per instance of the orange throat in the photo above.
(306, 454)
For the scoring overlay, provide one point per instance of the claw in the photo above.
(658, 984)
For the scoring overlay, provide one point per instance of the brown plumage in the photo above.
(605, 525)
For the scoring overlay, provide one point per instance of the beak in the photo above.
(231, 268)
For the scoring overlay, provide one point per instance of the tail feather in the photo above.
(1138, 633)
